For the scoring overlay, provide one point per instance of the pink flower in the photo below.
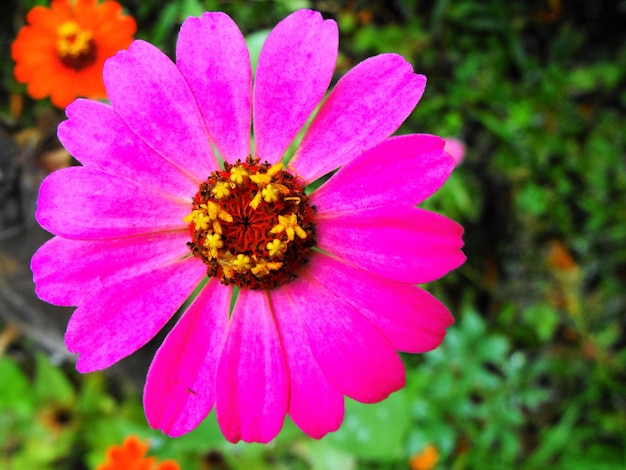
(455, 148)
(326, 294)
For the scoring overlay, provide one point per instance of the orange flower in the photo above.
(426, 459)
(61, 51)
(131, 455)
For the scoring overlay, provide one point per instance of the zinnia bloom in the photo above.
(287, 299)
(131, 455)
(61, 51)
(426, 459)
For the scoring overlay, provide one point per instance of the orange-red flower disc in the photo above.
(61, 51)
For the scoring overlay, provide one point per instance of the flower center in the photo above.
(252, 225)
(75, 46)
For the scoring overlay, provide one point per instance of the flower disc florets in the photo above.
(75, 46)
(252, 225)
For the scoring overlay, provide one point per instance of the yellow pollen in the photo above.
(226, 262)
(213, 242)
(208, 213)
(270, 193)
(242, 263)
(216, 212)
(276, 247)
(256, 200)
(238, 174)
(263, 179)
(290, 226)
(221, 190)
(263, 267)
(199, 218)
(72, 41)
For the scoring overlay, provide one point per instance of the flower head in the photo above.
(324, 280)
(426, 459)
(131, 455)
(61, 51)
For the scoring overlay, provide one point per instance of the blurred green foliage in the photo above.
(533, 373)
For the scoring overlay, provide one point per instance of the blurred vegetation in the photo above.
(533, 374)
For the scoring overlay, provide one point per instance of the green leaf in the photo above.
(543, 319)
(533, 199)
(15, 392)
(375, 431)
(51, 385)
(321, 455)
(191, 8)
(555, 439)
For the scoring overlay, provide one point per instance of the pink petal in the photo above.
(83, 202)
(412, 319)
(253, 391)
(402, 170)
(151, 96)
(351, 352)
(404, 244)
(96, 136)
(366, 106)
(295, 68)
(119, 319)
(212, 56)
(456, 149)
(315, 404)
(66, 271)
(180, 388)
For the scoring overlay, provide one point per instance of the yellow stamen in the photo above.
(270, 193)
(242, 263)
(216, 212)
(217, 228)
(221, 190)
(276, 247)
(72, 41)
(238, 174)
(199, 218)
(209, 212)
(213, 242)
(263, 179)
(256, 200)
(263, 267)
(226, 262)
(290, 226)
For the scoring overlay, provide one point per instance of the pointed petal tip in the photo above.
(295, 68)
(365, 107)
(212, 55)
